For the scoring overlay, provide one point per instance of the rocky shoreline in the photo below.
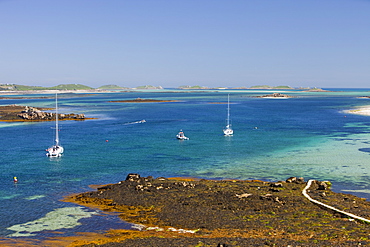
(275, 95)
(18, 113)
(198, 212)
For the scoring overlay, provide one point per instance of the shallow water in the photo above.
(308, 136)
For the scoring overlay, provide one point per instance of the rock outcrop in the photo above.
(32, 113)
(275, 95)
(245, 213)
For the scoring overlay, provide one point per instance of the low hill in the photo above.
(193, 87)
(111, 86)
(16, 87)
(70, 87)
(149, 87)
(270, 87)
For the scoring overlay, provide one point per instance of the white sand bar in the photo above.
(365, 110)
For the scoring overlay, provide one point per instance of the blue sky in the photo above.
(313, 43)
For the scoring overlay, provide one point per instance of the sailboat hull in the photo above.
(228, 132)
(55, 151)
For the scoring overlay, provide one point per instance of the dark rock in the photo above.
(291, 180)
(295, 180)
(133, 177)
(266, 197)
(276, 185)
(275, 95)
(322, 185)
(32, 113)
(274, 190)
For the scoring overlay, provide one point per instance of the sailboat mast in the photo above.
(228, 110)
(56, 121)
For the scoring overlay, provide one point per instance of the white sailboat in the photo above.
(228, 131)
(56, 150)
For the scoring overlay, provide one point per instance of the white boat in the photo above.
(228, 131)
(181, 136)
(56, 150)
(136, 122)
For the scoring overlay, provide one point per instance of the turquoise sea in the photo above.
(307, 136)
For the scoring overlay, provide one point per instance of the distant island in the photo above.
(148, 87)
(315, 89)
(70, 87)
(259, 87)
(193, 87)
(15, 87)
(9, 88)
(253, 87)
(112, 87)
(269, 87)
(275, 95)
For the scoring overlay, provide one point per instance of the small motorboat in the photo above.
(181, 136)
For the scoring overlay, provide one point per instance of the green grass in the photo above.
(16, 87)
(111, 86)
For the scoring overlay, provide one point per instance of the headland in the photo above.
(18, 113)
(198, 212)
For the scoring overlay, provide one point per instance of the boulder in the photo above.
(322, 185)
(276, 185)
(295, 180)
(133, 177)
(291, 180)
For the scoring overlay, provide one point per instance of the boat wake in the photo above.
(136, 122)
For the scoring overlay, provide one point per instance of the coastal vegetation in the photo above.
(70, 87)
(111, 87)
(16, 87)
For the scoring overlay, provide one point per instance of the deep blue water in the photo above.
(308, 136)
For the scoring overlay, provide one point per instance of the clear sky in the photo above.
(169, 43)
